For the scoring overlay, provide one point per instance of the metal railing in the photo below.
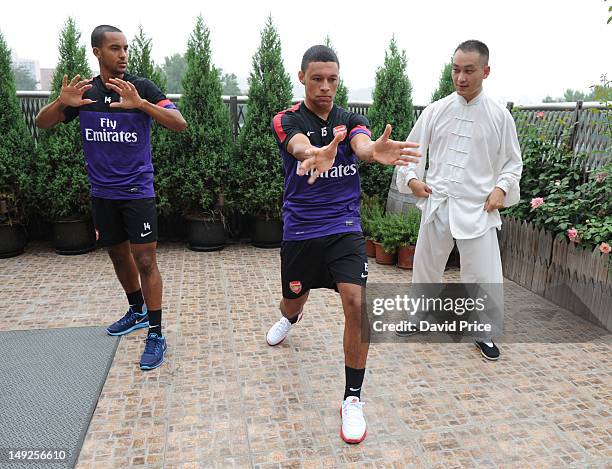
(587, 123)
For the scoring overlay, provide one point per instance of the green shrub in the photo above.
(392, 104)
(557, 195)
(445, 85)
(259, 167)
(399, 229)
(17, 149)
(61, 178)
(196, 165)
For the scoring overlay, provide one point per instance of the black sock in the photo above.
(136, 301)
(354, 381)
(155, 321)
(295, 318)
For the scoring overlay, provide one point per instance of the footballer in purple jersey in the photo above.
(323, 246)
(115, 111)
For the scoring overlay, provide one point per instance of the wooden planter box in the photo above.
(573, 278)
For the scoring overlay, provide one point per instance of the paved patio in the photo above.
(226, 399)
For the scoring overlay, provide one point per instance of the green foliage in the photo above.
(392, 104)
(371, 211)
(174, 68)
(445, 85)
(24, 80)
(259, 165)
(17, 149)
(141, 62)
(572, 200)
(341, 98)
(62, 184)
(230, 84)
(394, 230)
(194, 166)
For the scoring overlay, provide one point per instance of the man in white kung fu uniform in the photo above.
(474, 169)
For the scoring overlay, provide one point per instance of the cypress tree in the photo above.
(341, 98)
(17, 149)
(195, 166)
(62, 184)
(445, 85)
(270, 91)
(392, 104)
(140, 61)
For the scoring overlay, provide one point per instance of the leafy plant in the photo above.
(17, 149)
(398, 229)
(371, 211)
(558, 195)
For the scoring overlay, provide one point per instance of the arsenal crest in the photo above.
(339, 128)
(295, 287)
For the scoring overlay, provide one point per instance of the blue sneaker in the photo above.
(153, 355)
(130, 322)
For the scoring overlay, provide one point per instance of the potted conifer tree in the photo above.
(201, 157)
(16, 153)
(61, 178)
(260, 186)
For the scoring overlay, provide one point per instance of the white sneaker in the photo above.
(353, 428)
(280, 330)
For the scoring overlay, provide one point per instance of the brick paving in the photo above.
(223, 398)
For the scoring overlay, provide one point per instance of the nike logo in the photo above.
(308, 133)
(364, 275)
(142, 235)
(353, 389)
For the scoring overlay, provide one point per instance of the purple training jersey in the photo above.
(117, 142)
(331, 204)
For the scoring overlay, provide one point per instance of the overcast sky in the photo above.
(538, 47)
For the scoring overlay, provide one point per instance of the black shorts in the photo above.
(117, 221)
(323, 263)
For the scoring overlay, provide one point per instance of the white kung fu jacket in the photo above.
(473, 147)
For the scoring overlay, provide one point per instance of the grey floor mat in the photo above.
(50, 382)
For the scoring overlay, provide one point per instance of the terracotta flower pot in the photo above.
(383, 257)
(405, 257)
(370, 248)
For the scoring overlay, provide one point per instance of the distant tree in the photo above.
(230, 84)
(392, 104)
(341, 98)
(570, 96)
(140, 62)
(174, 68)
(24, 81)
(445, 85)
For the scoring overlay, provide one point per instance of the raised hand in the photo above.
(392, 152)
(129, 97)
(320, 159)
(71, 93)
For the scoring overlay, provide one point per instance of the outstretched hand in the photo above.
(392, 152)
(71, 93)
(320, 159)
(129, 97)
